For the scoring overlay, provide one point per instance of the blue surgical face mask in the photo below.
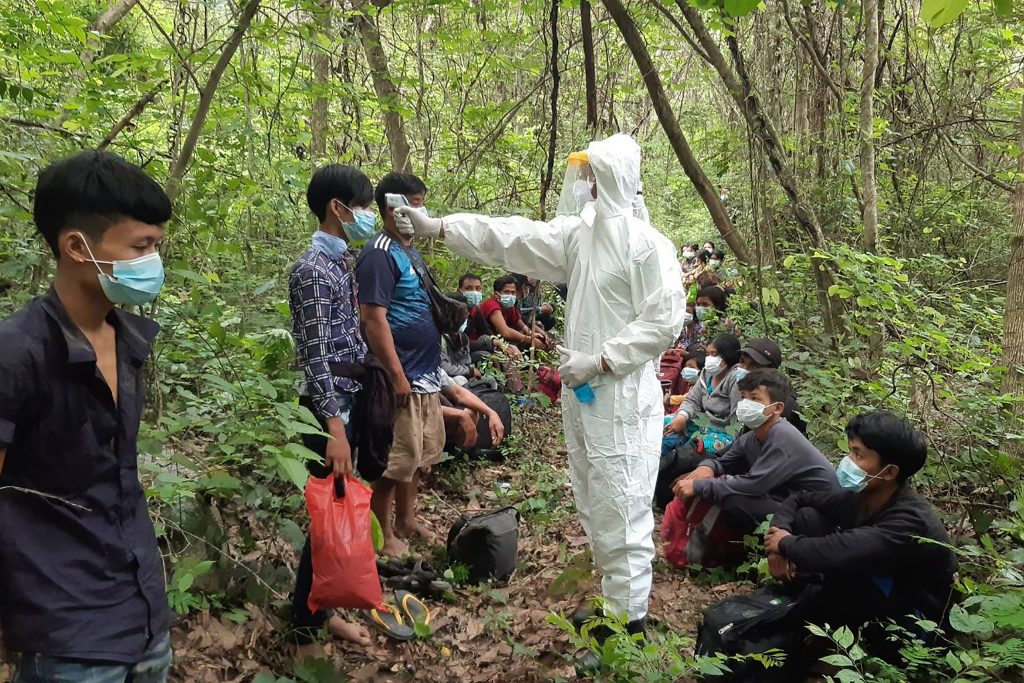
(507, 300)
(333, 247)
(690, 375)
(851, 477)
(740, 373)
(473, 298)
(364, 225)
(134, 282)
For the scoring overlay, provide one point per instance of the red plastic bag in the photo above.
(341, 543)
(695, 532)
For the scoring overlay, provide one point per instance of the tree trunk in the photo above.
(589, 69)
(321, 75)
(387, 93)
(1013, 322)
(739, 86)
(663, 108)
(556, 77)
(102, 26)
(867, 122)
(206, 99)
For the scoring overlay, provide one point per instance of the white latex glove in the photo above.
(577, 368)
(409, 221)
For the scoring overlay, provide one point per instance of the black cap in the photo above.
(764, 352)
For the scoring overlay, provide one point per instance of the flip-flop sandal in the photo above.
(391, 567)
(412, 607)
(388, 620)
(423, 572)
(400, 582)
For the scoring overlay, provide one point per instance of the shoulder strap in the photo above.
(426, 279)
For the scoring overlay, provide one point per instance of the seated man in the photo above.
(504, 318)
(864, 542)
(763, 467)
(482, 343)
(530, 305)
(764, 353)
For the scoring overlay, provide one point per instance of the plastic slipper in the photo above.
(388, 620)
(412, 607)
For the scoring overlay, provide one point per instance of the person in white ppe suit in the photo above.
(625, 306)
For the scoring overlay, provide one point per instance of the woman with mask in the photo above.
(693, 363)
(689, 260)
(712, 302)
(715, 395)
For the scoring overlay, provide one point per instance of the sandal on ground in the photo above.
(388, 620)
(413, 609)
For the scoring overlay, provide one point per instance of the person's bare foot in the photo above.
(416, 529)
(394, 547)
(348, 631)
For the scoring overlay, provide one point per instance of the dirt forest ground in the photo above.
(488, 634)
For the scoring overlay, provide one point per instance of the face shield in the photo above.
(579, 186)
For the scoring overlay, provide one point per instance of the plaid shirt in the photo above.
(325, 323)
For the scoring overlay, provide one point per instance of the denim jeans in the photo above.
(154, 667)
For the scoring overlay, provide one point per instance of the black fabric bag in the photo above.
(500, 404)
(488, 544)
(374, 415)
(448, 313)
(753, 624)
(675, 463)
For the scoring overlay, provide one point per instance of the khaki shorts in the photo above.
(419, 437)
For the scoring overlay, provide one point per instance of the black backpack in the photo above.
(488, 544)
(751, 624)
(498, 402)
(681, 460)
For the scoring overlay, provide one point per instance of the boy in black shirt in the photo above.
(863, 543)
(81, 579)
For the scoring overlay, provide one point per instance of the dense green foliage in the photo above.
(922, 319)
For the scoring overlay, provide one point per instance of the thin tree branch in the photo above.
(811, 52)
(206, 94)
(130, 114)
(25, 123)
(174, 47)
(989, 176)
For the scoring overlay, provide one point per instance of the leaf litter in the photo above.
(488, 634)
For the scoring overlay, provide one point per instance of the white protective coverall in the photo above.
(626, 302)
(640, 206)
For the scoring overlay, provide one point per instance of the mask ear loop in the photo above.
(92, 257)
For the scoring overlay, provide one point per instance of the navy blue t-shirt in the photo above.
(386, 278)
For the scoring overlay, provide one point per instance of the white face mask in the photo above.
(712, 365)
(751, 413)
(583, 191)
(688, 255)
(687, 319)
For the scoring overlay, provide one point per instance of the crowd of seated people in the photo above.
(854, 541)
